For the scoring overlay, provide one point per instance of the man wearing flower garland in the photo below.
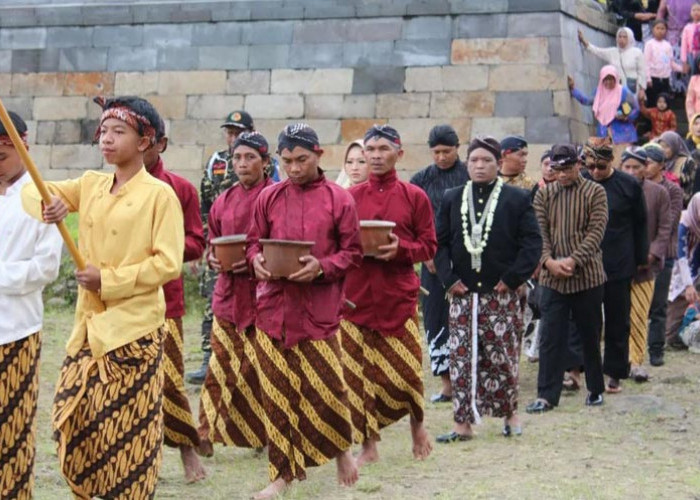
(380, 338)
(488, 245)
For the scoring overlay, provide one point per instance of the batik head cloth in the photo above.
(21, 128)
(513, 143)
(486, 142)
(123, 111)
(635, 153)
(383, 132)
(599, 148)
(298, 134)
(253, 140)
(563, 156)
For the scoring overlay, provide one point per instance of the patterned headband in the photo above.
(253, 140)
(298, 134)
(131, 118)
(383, 131)
(6, 141)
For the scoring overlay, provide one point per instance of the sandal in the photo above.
(452, 437)
(613, 386)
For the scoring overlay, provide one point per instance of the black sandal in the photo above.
(452, 437)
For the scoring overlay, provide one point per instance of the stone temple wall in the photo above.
(485, 66)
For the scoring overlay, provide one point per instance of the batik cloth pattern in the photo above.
(641, 295)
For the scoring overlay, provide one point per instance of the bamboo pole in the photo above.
(39, 182)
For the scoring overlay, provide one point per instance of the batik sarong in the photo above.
(230, 410)
(485, 379)
(19, 388)
(306, 407)
(180, 428)
(108, 420)
(641, 295)
(384, 376)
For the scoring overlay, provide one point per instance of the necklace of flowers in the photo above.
(475, 242)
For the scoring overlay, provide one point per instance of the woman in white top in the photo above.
(627, 59)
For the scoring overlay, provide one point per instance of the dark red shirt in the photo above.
(319, 211)
(386, 293)
(194, 234)
(234, 294)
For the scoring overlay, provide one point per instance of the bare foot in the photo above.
(205, 448)
(421, 441)
(369, 453)
(194, 470)
(347, 469)
(273, 489)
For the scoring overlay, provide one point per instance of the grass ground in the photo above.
(643, 443)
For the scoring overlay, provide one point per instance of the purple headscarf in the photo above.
(678, 15)
(677, 145)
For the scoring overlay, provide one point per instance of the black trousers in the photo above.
(657, 313)
(584, 310)
(435, 321)
(616, 306)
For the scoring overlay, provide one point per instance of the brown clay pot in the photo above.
(375, 233)
(229, 249)
(282, 256)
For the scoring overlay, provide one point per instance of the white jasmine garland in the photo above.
(476, 241)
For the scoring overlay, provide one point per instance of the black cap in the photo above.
(239, 119)
(513, 143)
(563, 156)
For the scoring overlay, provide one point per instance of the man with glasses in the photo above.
(572, 214)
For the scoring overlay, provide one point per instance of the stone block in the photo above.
(69, 37)
(354, 129)
(326, 31)
(547, 129)
(60, 108)
(88, 128)
(500, 51)
(41, 154)
(527, 77)
(45, 132)
(415, 105)
(422, 52)
(185, 160)
(478, 6)
(235, 57)
(481, 26)
(19, 17)
(118, 36)
(498, 127)
(76, 156)
(37, 84)
(212, 106)
(318, 81)
(323, 106)
(328, 130)
(428, 7)
(328, 11)
(5, 61)
(267, 33)
(135, 83)
(167, 35)
(358, 106)
(380, 9)
(368, 54)
(461, 104)
(275, 10)
(34, 60)
(556, 50)
(534, 24)
(96, 15)
(270, 129)
(248, 82)
(22, 38)
(191, 82)
(88, 84)
(524, 104)
(534, 5)
(562, 103)
(67, 132)
(231, 11)
(193, 12)
(23, 106)
(150, 13)
(177, 58)
(464, 77)
(83, 59)
(170, 107)
(59, 15)
(378, 79)
(275, 106)
(415, 157)
(225, 33)
(268, 56)
(316, 55)
(132, 58)
(332, 160)
(416, 130)
(191, 132)
(374, 30)
(424, 27)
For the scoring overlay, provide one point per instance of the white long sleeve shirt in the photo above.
(630, 63)
(30, 254)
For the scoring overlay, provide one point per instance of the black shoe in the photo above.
(440, 398)
(656, 359)
(452, 437)
(509, 430)
(539, 406)
(197, 377)
(594, 400)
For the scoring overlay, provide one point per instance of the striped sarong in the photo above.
(641, 295)
(180, 428)
(230, 410)
(19, 388)
(384, 376)
(108, 420)
(306, 407)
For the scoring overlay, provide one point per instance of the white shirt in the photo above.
(629, 63)
(30, 254)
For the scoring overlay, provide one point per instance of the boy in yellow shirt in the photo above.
(107, 414)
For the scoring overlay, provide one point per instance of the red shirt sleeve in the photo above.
(425, 244)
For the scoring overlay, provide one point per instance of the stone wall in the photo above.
(496, 67)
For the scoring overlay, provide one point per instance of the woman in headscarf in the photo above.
(355, 168)
(627, 59)
(680, 163)
(692, 140)
(614, 106)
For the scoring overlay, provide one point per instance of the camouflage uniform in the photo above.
(521, 180)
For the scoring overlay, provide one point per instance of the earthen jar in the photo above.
(375, 233)
(282, 256)
(229, 249)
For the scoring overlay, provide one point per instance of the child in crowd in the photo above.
(692, 97)
(690, 39)
(658, 55)
(662, 118)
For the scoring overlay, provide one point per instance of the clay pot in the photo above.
(282, 256)
(375, 233)
(229, 249)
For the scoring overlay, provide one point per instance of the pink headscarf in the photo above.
(607, 101)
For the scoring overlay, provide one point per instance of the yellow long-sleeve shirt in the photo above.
(136, 238)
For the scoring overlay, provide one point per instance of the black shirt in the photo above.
(435, 181)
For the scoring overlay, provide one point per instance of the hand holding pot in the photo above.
(388, 252)
(213, 262)
(311, 269)
(260, 272)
